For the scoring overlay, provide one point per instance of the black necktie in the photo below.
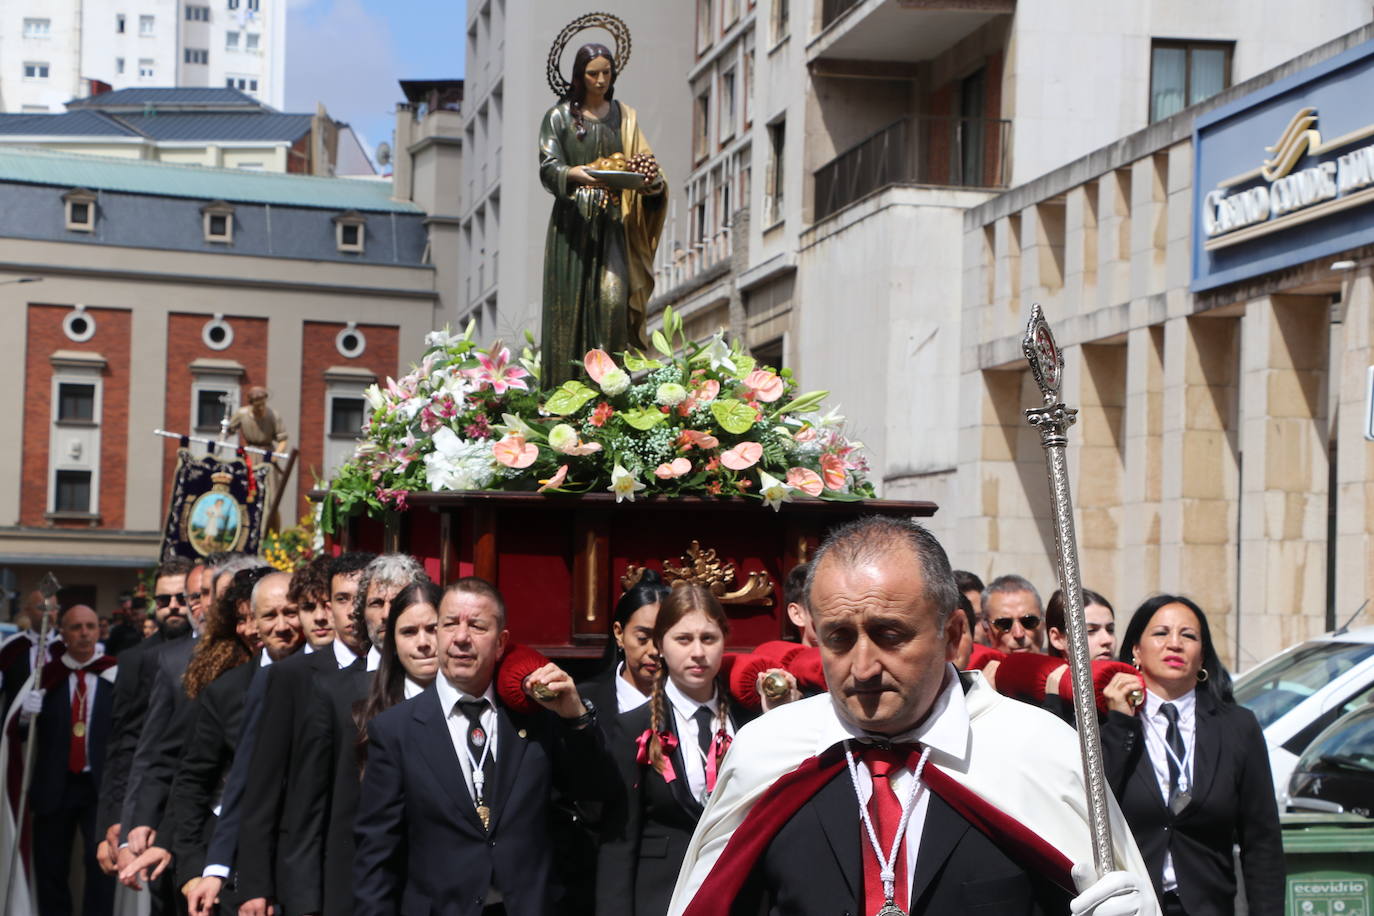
(1174, 738)
(704, 719)
(477, 744)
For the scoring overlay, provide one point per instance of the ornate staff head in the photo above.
(620, 32)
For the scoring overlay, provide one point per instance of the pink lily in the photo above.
(742, 456)
(514, 452)
(673, 469)
(806, 480)
(497, 372)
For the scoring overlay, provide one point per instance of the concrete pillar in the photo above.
(1100, 445)
(1355, 454)
(1149, 224)
(1143, 429)
(1114, 238)
(1080, 249)
(1200, 468)
(1282, 590)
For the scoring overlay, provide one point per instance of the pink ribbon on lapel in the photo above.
(719, 745)
(667, 743)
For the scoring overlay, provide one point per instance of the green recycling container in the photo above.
(1330, 863)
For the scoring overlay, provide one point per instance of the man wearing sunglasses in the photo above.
(1013, 617)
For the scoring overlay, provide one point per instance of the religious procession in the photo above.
(351, 569)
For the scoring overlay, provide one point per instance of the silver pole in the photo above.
(1053, 419)
(252, 449)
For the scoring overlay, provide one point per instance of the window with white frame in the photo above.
(212, 394)
(197, 14)
(781, 16)
(74, 437)
(146, 25)
(218, 222)
(80, 210)
(253, 5)
(345, 412)
(119, 65)
(35, 70)
(727, 105)
(773, 192)
(350, 231)
(701, 127)
(37, 28)
(119, 23)
(145, 68)
(251, 41)
(231, 41)
(197, 56)
(705, 24)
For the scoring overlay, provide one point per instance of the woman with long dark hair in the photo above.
(410, 654)
(598, 253)
(630, 663)
(1190, 768)
(668, 752)
(1099, 616)
(228, 638)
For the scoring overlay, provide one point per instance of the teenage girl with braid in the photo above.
(668, 752)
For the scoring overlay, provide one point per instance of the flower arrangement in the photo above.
(291, 549)
(694, 419)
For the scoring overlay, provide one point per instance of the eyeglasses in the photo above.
(166, 600)
(1030, 622)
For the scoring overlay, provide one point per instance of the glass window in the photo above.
(35, 70)
(1273, 689)
(210, 407)
(119, 65)
(1183, 73)
(251, 40)
(219, 224)
(72, 491)
(145, 68)
(346, 416)
(701, 144)
(76, 401)
(145, 25)
(1350, 747)
(37, 28)
(705, 25)
(781, 15)
(231, 41)
(777, 138)
(197, 56)
(727, 105)
(119, 23)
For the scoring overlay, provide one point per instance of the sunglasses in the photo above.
(166, 600)
(1030, 622)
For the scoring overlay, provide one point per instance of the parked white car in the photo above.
(1299, 692)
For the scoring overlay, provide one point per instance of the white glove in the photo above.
(1117, 893)
(31, 705)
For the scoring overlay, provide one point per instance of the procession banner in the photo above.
(216, 505)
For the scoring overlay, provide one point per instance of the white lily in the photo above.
(374, 396)
(624, 484)
(774, 491)
(718, 353)
(443, 338)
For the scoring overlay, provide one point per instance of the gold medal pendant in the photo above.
(891, 909)
(484, 813)
(79, 729)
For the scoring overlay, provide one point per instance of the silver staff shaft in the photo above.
(1053, 421)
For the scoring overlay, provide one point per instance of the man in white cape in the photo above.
(805, 816)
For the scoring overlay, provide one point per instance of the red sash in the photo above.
(792, 790)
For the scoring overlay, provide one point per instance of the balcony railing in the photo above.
(834, 9)
(943, 151)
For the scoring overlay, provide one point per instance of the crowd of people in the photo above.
(345, 739)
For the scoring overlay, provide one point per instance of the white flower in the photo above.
(442, 339)
(832, 419)
(375, 399)
(614, 382)
(773, 491)
(563, 438)
(510, 423)
(718, 352)
(456, 464)
(624, 485)
(670, 394)
(410, 407)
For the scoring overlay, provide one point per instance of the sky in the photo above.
(349, 54)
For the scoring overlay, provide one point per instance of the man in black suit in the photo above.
(453, 811)
(131, 705)
(809, 805)
(71, 711)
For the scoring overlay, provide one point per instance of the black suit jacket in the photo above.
(649, 826)
(272, 780)
(600, 689)
(159, 745)
(420, 845)
(319, 864)
(814, 866)
(209, 751)
(129, 709)
(54, 723)
(1233, 802)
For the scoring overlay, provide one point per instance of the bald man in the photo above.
(70, 707)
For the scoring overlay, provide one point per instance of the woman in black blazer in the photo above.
(668, 752)
(630, 664)
(1190, 768)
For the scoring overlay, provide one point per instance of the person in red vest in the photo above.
(68, 713)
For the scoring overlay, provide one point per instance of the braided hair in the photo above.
(577, 95)
(684, 599)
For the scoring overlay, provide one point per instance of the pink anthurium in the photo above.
(598, 363)
(706, 392)
(742, 456)
(806, 480)
(691, 438)
(514, 452)
(832, 470)
(673, 469)
(764, 386)
(555, 481)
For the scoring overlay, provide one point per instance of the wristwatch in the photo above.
(587, 717)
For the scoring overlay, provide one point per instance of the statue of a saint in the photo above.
(598, 254)
(259, 424)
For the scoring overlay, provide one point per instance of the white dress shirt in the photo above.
(945, 731)
(1156, 727)
(374, 658)
(457, 722)
(342, 654)
(90, 677)
(684, 708)
(627, 695)
(413, 688)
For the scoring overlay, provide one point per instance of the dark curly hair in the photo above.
(220, 647)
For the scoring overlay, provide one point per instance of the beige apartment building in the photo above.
(1211, 282)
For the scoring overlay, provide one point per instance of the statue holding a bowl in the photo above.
(608, 210)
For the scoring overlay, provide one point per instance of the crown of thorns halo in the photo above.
(613, 24)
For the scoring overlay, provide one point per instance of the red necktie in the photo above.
(886, 813)
(76, 756)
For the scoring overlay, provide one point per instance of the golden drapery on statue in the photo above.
(598, 256)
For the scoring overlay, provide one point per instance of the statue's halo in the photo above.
(611, 23)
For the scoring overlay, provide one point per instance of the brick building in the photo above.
(136, 296)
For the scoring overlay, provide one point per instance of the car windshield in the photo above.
(1347, 745)
(1274, 688)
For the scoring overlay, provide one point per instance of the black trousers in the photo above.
(53, 835)
(1171, 905)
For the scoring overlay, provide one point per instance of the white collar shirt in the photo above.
(1156, 733)
(374, 658)
(627, 696)
(412, 687)
(308, 649)
(457, 721)
(685, 727)
(90, 677)
(342, 654)
(264, 660)
(945, 730)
